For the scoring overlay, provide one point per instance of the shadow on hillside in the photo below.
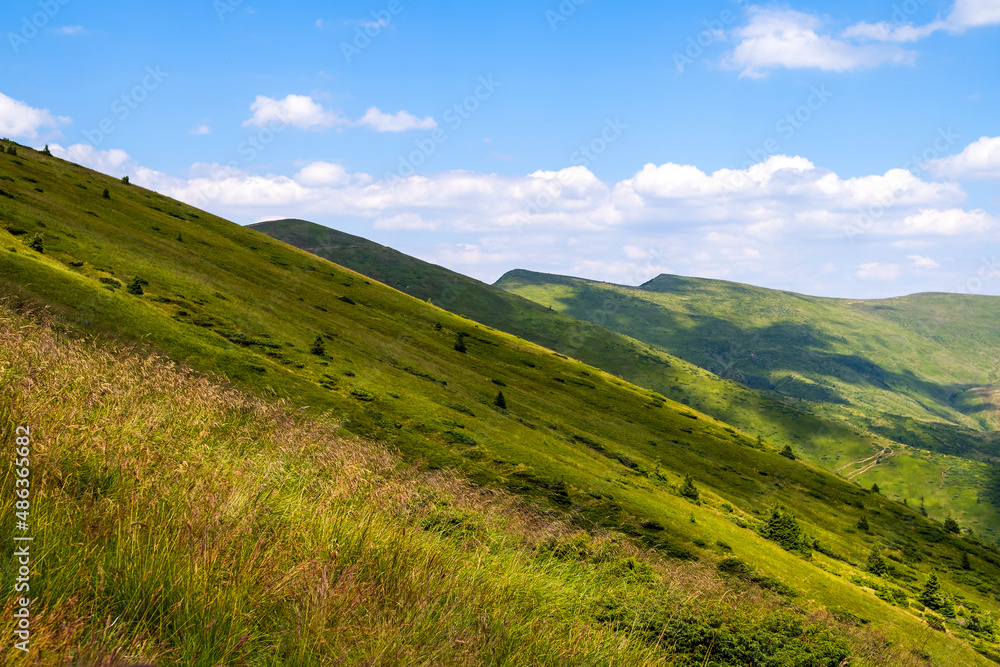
(793, 359)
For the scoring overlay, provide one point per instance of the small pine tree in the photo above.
(951, 526)
(180, 238)
(106, 194)
(966, 564)
(876, 564)
(45, 151)
(124, 180)
(12, 150)
(500, 401)
(37, 243)
(135, 287)
(788, 453)
(460, 343)
(318, 346)
(863, 523)
(688, 489)
(782, 527)
(875, 489)
(923, 508)
(930, 596)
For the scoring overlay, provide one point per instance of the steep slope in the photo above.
(915, 370)
(850, 449)
(283, 323)
(215, 533)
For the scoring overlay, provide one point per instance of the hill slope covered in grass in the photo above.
(204, 527)
(918, 371)
(281, 323)
(950, 484)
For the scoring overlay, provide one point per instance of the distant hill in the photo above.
(919, 370)
(110, 261)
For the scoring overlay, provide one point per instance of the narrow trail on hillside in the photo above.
(867, 463)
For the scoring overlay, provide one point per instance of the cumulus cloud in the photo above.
(950, 222)
(401, 121)
(923, 262)
(20, 120)
(297, 110)
(782, 221)
(979, 160)
(877, 271)
(795, 40)
(70, 30)
(303, 112)
(964, 14)
(200, 129)
(109, 162)
(791, 39)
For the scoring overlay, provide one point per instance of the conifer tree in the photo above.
(930, 596)
(460, 343)
(863, 523)
(876, 564)
(688, 489)
(106, 194)
(318, 346)
(500, 401)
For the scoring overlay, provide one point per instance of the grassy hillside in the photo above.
(949, 483)
(916, 370)
(204, 527)
(281, 323)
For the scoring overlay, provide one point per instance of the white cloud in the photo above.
(923, 262)
(70, 30)
(401, 121)
(297, 110)
(974, 13)
(780, 223)
(328, 174)
(790, 39)
(320, 24)
(203, 128)
(113, 162)
(877, 271)
(964, 14)
(980, 159)
(950, 222)
(19, 120)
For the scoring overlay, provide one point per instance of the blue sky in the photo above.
(842, 149)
